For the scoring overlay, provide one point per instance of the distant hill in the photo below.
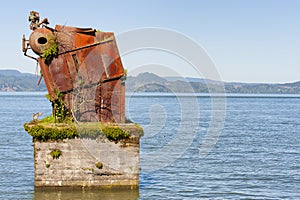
(13, 80)
(10, 72)
(149, 82)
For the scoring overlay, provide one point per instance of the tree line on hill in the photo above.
(13, 80)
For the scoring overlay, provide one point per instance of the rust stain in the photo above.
(87, 69)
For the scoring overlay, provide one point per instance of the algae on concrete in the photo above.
(46, 130)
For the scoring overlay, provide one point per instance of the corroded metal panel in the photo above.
(60, 74)
(87, 70)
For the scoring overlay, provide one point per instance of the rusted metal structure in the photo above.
(83, 66)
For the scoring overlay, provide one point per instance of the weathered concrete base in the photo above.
(85, 162)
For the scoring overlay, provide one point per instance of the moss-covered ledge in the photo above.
(49, 131)
(45, 132)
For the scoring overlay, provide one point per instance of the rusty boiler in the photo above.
(82, 66)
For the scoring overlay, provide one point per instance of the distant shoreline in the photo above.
(15, 81)
(163, 94)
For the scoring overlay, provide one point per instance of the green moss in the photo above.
(46, 130)
(48, 119)
(99, 165)
(50, 53)
(90, 130)
(80, 82)
(106, 37)
(111, 132)
(55, 153)
(45, 133)
(60, 110)
(140, 129)
(115, 133)
(88, 169)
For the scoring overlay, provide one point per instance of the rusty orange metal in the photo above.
(87, 70)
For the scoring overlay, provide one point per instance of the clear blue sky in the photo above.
(248, 40)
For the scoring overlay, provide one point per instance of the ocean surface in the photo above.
(250, 147)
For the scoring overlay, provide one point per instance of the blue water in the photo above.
(256, 156)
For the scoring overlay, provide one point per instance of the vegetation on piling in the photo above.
(99, 165)
(55, 153)
(47, 130)
(51, 52)
(61, 113)
(44, 132)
